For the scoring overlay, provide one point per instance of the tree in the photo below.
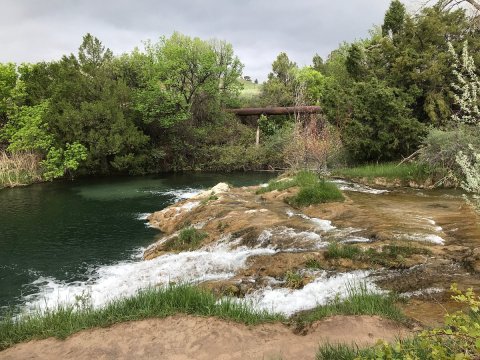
(380, 126)
(318, 64)
(90, 105)
(394, 19)
(185, 76)
(355, 62)
(279, 89)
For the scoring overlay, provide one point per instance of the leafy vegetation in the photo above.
(162, 108)
(151, 303)
(458, 339)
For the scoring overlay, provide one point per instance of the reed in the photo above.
(19, 169)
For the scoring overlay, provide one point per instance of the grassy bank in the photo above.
(313, 189)
(390, 171)
(459, 338)
(184, 299)
(19, 169)
(152, 303)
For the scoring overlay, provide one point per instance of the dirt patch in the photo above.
(187, 337)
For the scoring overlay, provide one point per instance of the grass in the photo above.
(185, 299)
(359, 301)
(313, 189)
(390, 256)
(19, 169)
(212, 197)
(336, 251)
(319, 193)
(392, 171)
(250, 91)
(151, 303)
(294, 280)
(313, 264)
(188, 238)
(353, 352)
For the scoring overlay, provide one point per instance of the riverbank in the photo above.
(249, 244)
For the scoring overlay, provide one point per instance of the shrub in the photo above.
(440, 148)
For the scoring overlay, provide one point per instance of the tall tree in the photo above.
(394, 18)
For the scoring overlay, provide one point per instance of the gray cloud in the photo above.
(35, 30)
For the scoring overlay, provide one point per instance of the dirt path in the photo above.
(187, 337)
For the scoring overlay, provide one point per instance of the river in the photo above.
(64, 233)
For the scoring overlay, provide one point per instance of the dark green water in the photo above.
(64, 230)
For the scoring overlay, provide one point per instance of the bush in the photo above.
(440, 148)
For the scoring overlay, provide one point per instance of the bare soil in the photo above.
(188, 337)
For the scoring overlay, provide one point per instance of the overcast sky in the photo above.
(35, 30)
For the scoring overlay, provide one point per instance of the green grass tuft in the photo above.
(151, 303)
(188, 238)
(360, 301)
(390, 256)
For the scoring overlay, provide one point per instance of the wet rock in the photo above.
(457, 253)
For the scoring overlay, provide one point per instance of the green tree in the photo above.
(380, 125)
(90, 105)
(279, 89)
(394, 19)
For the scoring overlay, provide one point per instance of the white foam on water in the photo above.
(182, 194)
(287, 239)
(355, 240)
(324, 225)
(318, 292)
(320, 224)
(188, 206)
(431, 238)
(124, 279)
(142, 216)
(350, 186)
(427, 291)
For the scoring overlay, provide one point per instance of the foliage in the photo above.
(394, 19)
(470, 166)
(440, 149)
(60, 161)
(466, 86)
(156, 302)
(381, 126)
